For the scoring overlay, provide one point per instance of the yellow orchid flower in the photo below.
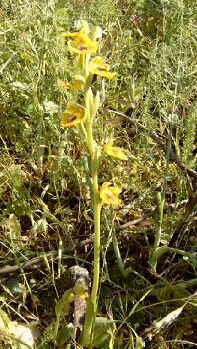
(82, 44)
(77, 83)
(109, 195)
(98, 67)
(115, 152)
(72, 116)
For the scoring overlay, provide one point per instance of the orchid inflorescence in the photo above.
(84, 43)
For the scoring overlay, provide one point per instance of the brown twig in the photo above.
(36, 262)
(137, 221)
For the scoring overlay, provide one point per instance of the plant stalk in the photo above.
(94, 162)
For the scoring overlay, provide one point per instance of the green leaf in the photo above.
(64, 335)
(103, 332)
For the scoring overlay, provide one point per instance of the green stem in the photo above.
(97, 219)
(94, 162)
(92, 304)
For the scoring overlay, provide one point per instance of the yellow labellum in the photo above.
(98, 67)
(109, 194)
(72, 116)
(115, 152)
